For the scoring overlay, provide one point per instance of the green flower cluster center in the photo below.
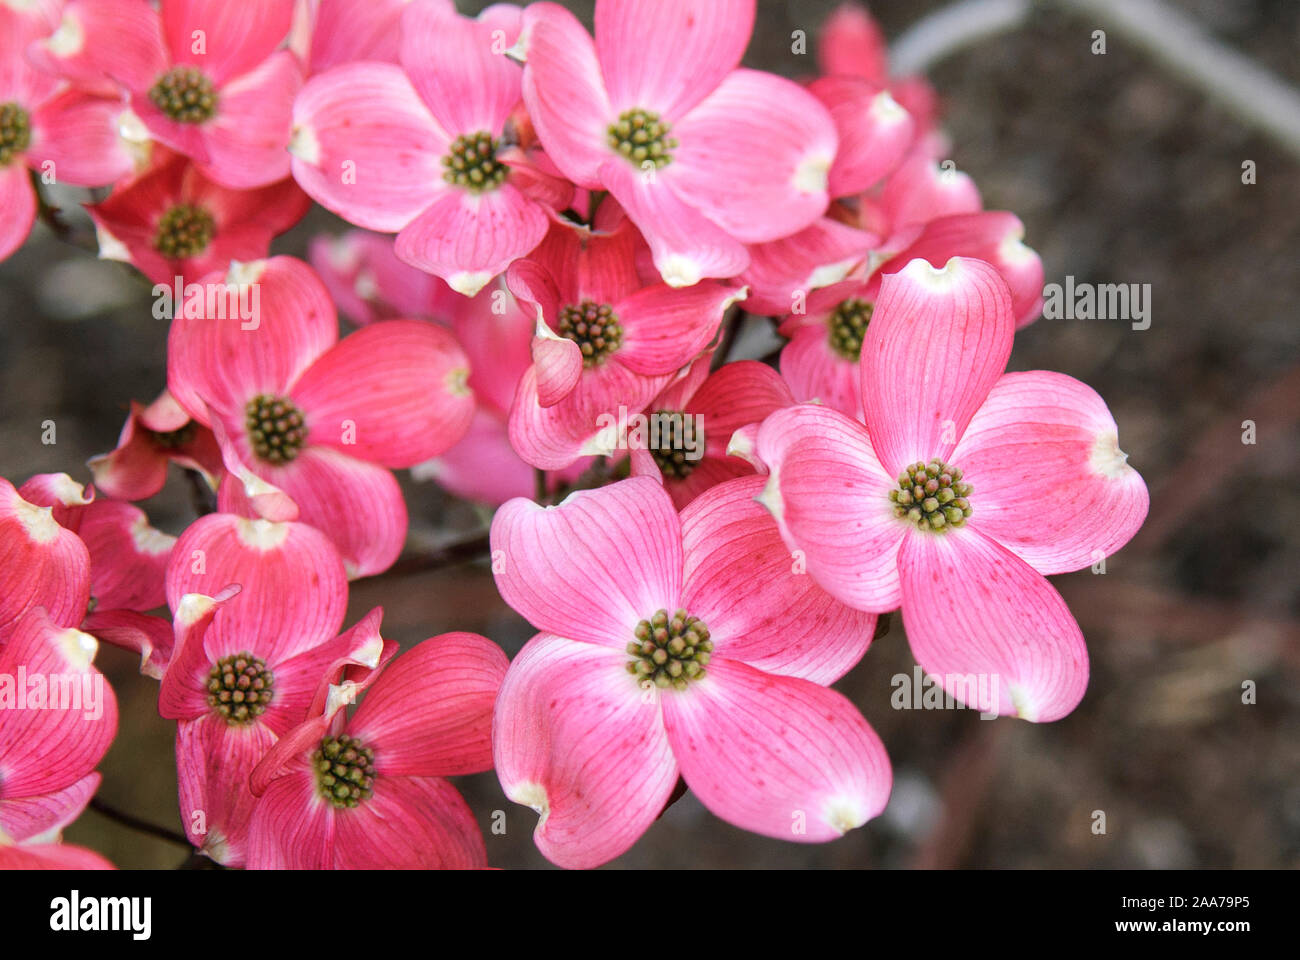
(276, 430)
(173, 439)
(594, 328)
(184, 231)
(473, 163)
(240, 687)
(345, 770)
(932, 496)
(670, 651)
(678, 437)
(185, 94)
(641, 136)
(15, 132)
(848, 325)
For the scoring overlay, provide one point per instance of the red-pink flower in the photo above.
(686, 436)
(963, 488)
(669, 645)
(206, 77)
(369, 791)
(58, 131)
(249, 663)
(174, 222)
(58, 717)
(852, 46)
(312, 418)
(151, 438)
(821, 360)
(127, 560)
(418, 149)
(42, 564)
(704, 157)
(604, 339)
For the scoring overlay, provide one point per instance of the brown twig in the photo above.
(135, 823)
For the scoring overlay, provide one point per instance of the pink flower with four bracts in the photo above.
(963, 488)
(208, 78)
(605, 340)
(704, 157)
(174, 222)
(153, 437)
(311, 424)
(675, 645)
(418, 149)
(370, 791)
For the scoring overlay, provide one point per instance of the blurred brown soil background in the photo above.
(1122, 175)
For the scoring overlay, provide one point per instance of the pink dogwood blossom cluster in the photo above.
(557, 235)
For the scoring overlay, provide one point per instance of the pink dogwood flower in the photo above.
(821, 360)
(370, 791)
(251, 661)
(314, 419)
(205, 77)
(961, 488)
(690, 426)
(675, 645)
(420, 149)
(56, 130)
(604, 339)
(174, 222)
(42, 564)
(127, 560)
(153, 437)
(58, 716)
(853, 46)
(704, 157)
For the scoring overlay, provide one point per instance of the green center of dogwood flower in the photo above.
(15, 132)
(172, 439)
(240, 687)
(276, 430)
(677, 453)
(641, 136)
(848, 325)
(185, 94)
(594, 328)
(473, 163)
(670, 650)
(184, 231)
(932, 496)
(345, 770)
